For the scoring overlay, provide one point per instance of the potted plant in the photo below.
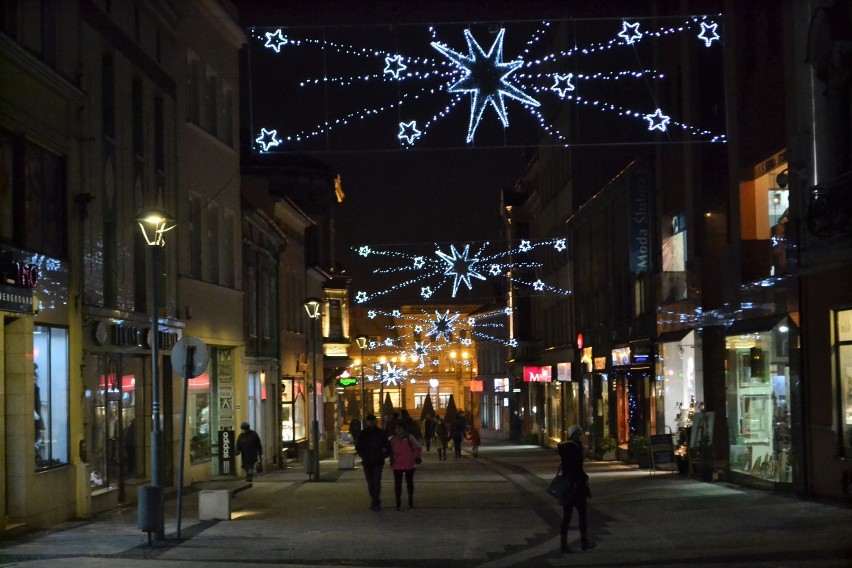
(639, 449)
(607, 448)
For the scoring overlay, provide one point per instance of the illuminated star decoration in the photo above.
(462, 265)
(275, 40)
(267, 139)
(657, 121)
(427, 89)
(708, 33)
(364, 251)
(447, 328)
(408, 132)
(394, 70)
(630, 32)
(565, 88)
(486, 79)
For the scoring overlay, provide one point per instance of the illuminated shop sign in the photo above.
(640, 352)
(536, 374)
(620, 356)
(476, 386)
(600, 363)
(563, 372)
(14, 299)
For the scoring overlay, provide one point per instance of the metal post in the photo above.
(363, 391)
(190, 364)
(156, 434)
(315, 423)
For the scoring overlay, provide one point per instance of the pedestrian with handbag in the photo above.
(442, 433)
(250, 449)
(405, 455)
(577, 492)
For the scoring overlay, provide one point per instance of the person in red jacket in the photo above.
(405, 455)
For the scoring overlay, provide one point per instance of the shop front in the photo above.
(36, 393)
(679, 382)
(293, 416)
(537, 381)
(759, 389)
(633, 391)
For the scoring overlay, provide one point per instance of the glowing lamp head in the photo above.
(361, 340)
(154, 224)
(312, 306)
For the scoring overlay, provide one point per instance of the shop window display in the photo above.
(198, 418)
(843, 345)
(758, 384)
(50, 396)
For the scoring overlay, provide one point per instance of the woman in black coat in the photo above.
(249, 448)
(571, 454)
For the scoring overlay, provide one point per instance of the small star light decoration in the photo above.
(431, 79)
(461, 266)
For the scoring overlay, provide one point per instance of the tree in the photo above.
(428, 409)
(452, 412)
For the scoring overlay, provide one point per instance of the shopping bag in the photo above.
(560, 486)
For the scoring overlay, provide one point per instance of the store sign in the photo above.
(563, 372)
(580, 342)
(227, 458)
(640, 223)
(15, 299)
(536, 374)
(476, 386)
(600, 364)
(640, 352)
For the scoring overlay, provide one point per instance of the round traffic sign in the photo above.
(200, 356)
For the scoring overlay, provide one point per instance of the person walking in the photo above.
(571, 456)
(373, 447)
(249, 449)
(405, 455)
(457, 434)
(355, 429)
(443, 436)
(475, 440)
(429, 432)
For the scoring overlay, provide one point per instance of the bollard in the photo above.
(150, 517)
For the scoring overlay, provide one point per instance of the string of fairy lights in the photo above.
(491, 80)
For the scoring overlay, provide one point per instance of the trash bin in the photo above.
(310, 461)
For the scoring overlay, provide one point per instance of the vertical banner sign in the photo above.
(227, 459)
(640, 222)
(225, 368)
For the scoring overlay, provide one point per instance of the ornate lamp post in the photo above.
(362, 343)
(312, 307)
(154, 224)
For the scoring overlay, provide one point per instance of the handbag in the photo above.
(560, 486)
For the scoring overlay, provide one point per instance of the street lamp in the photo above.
(154, 224)
(362, 343)
(312, 306)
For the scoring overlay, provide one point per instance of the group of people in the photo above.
(400, 442)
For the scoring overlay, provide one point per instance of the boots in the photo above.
(563, 545)
(586, 544)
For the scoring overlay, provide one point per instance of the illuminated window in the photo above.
(50, 396)
(843, 347)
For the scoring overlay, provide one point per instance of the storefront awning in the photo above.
(673, 336)
(754, 325)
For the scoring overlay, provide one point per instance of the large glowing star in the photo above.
(268, 139)
(657, 121)
(443, 326)
(274, 40)
(486, 79)
(708, 33)
(460, 267)
(408, 132)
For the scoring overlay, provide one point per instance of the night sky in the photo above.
(447, 192)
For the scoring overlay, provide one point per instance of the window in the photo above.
(50, 386)
(195, 237)
(758, 390)
(843, 345)
(211, 103)
(198, 417)
(226, 133)
(213, 245)
(193, 90)
(228, 250)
